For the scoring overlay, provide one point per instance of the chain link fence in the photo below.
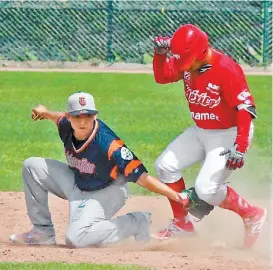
(122, 31)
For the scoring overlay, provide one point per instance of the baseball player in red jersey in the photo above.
(222, 108)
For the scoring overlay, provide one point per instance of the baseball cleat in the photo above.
(33, 238)
(176, 228)
(253, 224)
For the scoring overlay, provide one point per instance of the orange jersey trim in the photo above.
(114, 172)
(115, 144)
(59, 120)
(131, 166)
(89, 140)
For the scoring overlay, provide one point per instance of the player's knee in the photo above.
(70, 241)
(213, 193)
(30, 163)
(73, 240)
(76, 240)
(166, 172)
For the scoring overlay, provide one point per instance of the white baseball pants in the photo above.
(199, 145)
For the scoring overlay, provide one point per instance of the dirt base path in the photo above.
(187, 254)
(85, 66)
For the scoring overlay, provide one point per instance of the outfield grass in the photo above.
(62, 266)
(146, 115)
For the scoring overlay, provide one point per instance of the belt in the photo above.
(89, 189)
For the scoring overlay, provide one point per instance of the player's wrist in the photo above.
(183, 199)
(242, 144)
(45, 114)
(242, 148)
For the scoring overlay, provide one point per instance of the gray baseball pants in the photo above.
(90, 213)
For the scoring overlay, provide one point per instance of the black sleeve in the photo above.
(128, 163)
(63, 127)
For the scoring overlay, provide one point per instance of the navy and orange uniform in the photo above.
(99, 160)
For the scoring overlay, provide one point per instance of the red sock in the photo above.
(178, 210)
(235, 203)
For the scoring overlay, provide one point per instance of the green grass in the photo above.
(146, 115)
(62, 266)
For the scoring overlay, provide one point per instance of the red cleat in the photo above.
(177, 228)
(254, 223)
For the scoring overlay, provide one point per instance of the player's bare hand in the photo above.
(39, 112)
(162, 45)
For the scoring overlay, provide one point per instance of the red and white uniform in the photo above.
(214, 96)
(218, 99)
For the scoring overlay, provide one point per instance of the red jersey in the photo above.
(213, 94)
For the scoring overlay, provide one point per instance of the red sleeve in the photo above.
(235, 88)
(244, 119)
(237, 95)
(165, 70)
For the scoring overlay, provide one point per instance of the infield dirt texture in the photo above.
(186, 254)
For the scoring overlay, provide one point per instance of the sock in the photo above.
(235, 203)
(178, 210)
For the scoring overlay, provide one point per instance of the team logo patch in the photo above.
(126, 154)
(203, 99)
(244, 95)
(82, 101)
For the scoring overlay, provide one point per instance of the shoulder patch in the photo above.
(126, 154)
(244, 95)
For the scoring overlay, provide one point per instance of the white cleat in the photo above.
(33, 238)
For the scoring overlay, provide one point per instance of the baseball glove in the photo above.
(196, 207)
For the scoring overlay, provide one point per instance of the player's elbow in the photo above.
(160, 80)
(143, 180)
(159, 76)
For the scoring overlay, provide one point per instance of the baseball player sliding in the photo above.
(94, 181)
(222, 108)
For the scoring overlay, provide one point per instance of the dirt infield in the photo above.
(197, 253)
(87, 67)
